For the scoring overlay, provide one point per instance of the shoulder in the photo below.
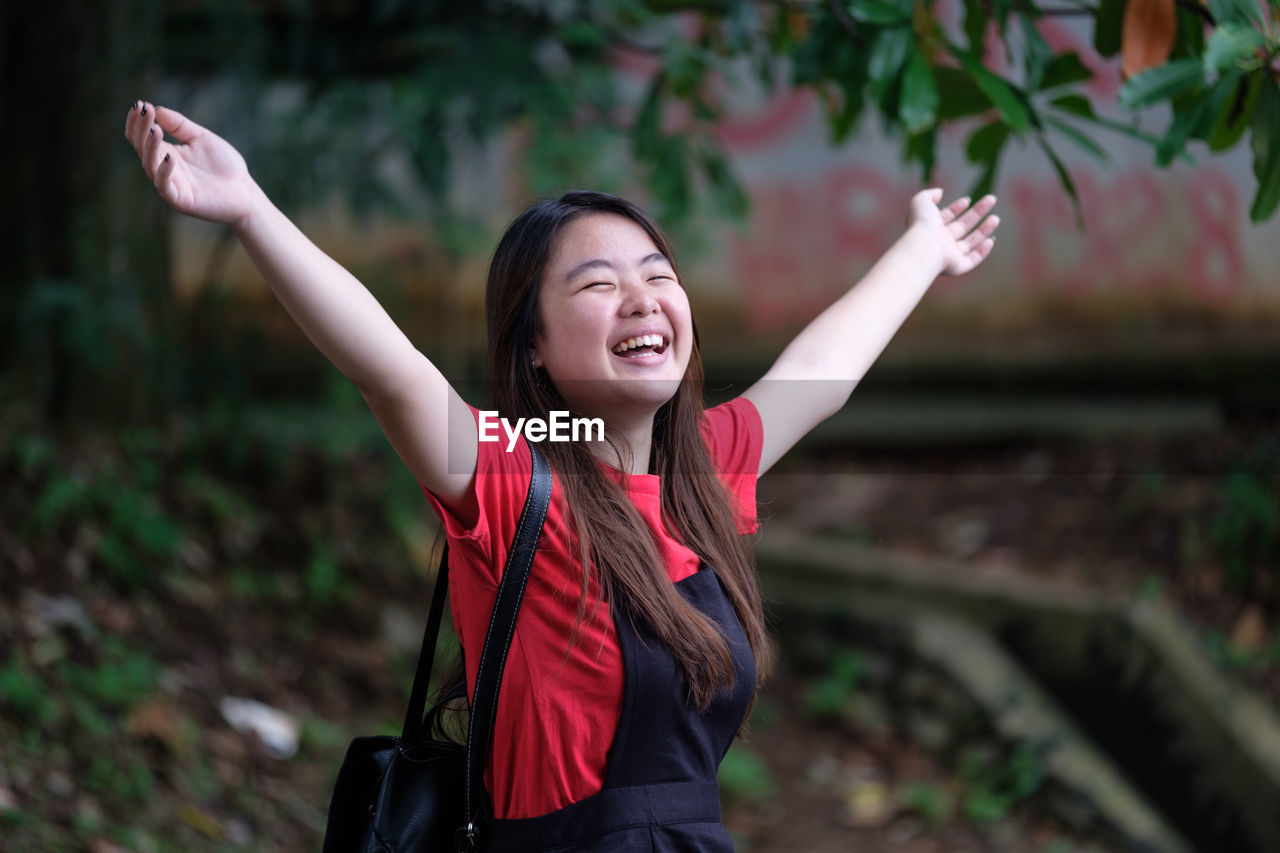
(497, 492)
(734, 435)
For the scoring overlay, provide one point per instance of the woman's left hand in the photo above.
(963, 231)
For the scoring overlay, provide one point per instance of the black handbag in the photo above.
(419, 792)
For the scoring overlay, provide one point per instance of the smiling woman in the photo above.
(641, 638)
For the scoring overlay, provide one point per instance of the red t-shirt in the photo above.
(559, 705)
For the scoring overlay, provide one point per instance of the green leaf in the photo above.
(1037, 53)
(648, 124)
(885, 67)
(923, 148)
(975, 23)
(985, 143)
(669, 178)
(1063, 70)
(1000, 10)
(1108, 23)
(1007, 100)
(1134, 133)
(725, 189)
(1194, 118)
(1189, 27)
(1231, 43)
(1161, 83)
(880, 13)
(1265, 142)
(686, 66)
(1078, 137)
(959, 95)
(843, 121)
(1077, 105)
(1064, 177)
(1240, 11)
(1235, 117)
(918, 104)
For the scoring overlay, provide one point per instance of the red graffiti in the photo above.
(1217, 269)
(810, 242)
(1140, 235)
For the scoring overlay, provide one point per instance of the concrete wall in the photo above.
(1166, 263)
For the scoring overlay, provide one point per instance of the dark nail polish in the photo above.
(144, 110)
(166, 159)
(151, 132)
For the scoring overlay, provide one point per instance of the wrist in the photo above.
(259, 206)
(920, 242)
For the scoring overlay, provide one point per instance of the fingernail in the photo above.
(144, 110)
(151, 132)
(166, 159)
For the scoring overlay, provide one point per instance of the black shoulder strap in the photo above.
(497, 641)
(502, 625)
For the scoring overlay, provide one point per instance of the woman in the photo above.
(641, 636)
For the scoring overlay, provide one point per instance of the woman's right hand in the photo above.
(204, 176)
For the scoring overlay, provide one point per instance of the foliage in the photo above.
(547, 70)
(1246, 528)
(929, 800)
(897, 57)
(831, 697)
(110, 678)
(991, 787)
(744, 777)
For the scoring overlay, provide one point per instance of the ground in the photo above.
(290, 575)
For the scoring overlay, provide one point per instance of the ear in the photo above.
(534, 358)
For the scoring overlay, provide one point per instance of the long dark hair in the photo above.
(612, 535)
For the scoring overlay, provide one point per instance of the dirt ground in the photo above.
(1188, 521)
(132, 680)
(1194, 520)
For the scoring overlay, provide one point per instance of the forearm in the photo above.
(839, 346)
(335, 311)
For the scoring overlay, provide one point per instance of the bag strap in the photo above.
(412, 732)
(497, 640)
(538, 498)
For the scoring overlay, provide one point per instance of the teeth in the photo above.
(639, 341)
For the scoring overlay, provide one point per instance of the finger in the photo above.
(951, 211)
(153, 149)
(145, 119)
(129, 119)
(164, 176)
(974, 215)
(981, 233)
(177, 125)
(980, 251)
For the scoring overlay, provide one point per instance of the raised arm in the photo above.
(205, 177)
(819, 369)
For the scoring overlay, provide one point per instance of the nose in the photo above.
(637, 300)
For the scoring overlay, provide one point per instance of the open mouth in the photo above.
(641, 346)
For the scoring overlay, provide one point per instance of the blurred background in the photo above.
(1025, 586)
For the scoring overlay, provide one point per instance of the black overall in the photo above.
(660, 790)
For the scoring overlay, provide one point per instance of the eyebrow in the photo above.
(597, 263)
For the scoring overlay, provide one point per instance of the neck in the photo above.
(636, 442)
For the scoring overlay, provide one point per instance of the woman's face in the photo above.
(616, 333)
